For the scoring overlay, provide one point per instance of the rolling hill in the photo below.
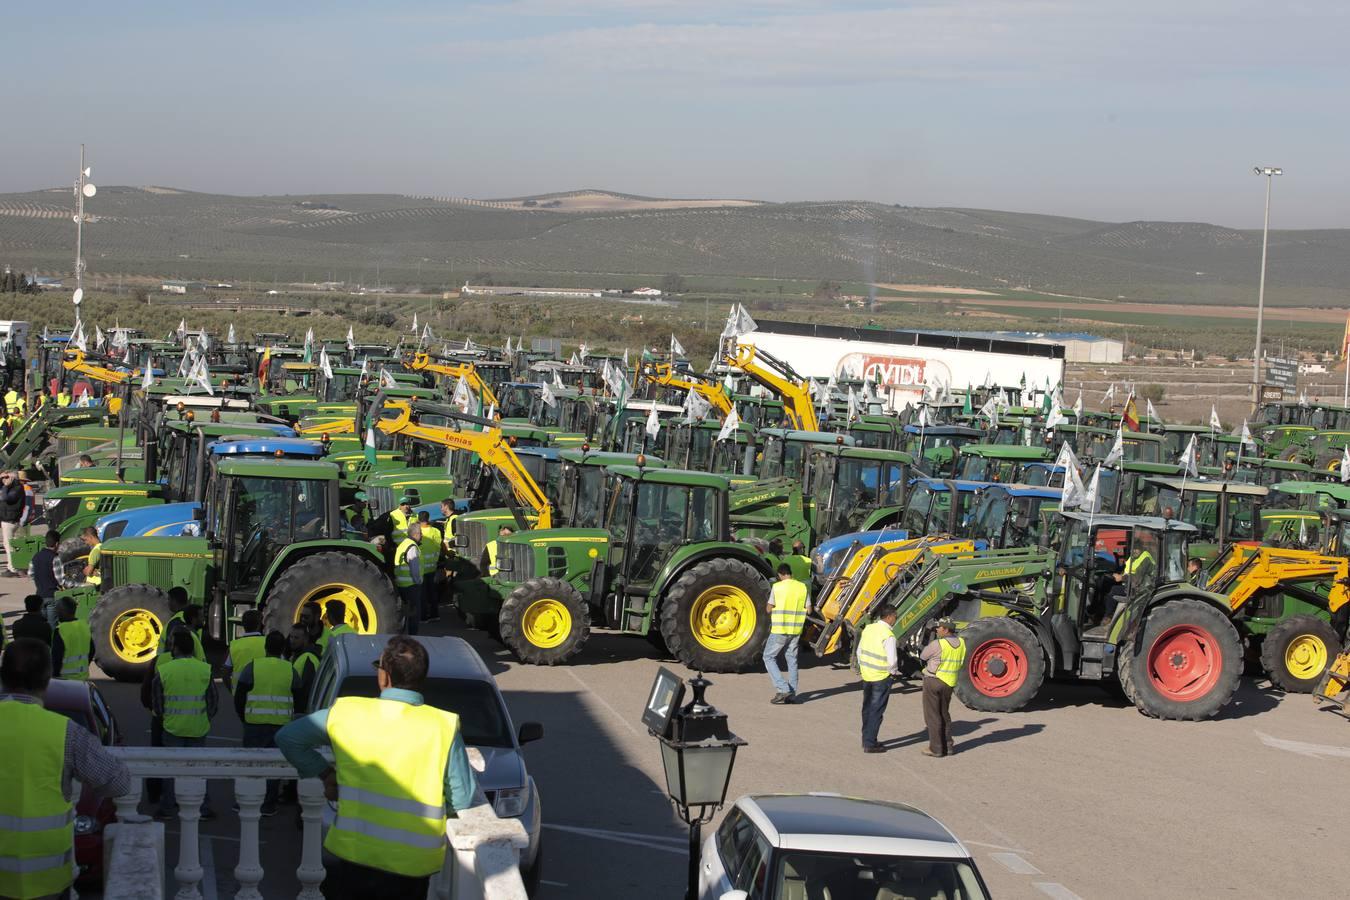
(554, 238)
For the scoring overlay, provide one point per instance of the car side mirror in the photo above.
(529, 732)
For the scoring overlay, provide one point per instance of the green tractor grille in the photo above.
(520, 560)
(471, 539)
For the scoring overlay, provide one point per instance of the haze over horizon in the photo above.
(1157, 112)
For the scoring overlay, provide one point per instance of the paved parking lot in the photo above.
(1078, 796)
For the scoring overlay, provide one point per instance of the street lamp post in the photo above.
(698, 752)
(1270, 172)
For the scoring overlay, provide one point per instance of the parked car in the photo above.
(81, 702)
(459, 682)
(804, 846)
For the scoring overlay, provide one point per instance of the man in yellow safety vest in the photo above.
(788, 606)
(245, 648)
(429, 554)
(43, 753)
(72, 646)
(335, 613)
(265, 696)
(398, 765)
(877, 663)
(185, 699)
(408, 575)
(91, 571)
(402, 516)
(489, 561)
(942, 658)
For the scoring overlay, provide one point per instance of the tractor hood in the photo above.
(162, 547)
(164, 520)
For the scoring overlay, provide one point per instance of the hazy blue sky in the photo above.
(1106, 110)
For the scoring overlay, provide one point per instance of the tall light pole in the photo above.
(83, 188)
(1270, 172)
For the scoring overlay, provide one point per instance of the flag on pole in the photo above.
(676, 349)
(575, 361)
(201, 376)
(1246, 436)
(1129, 417)
(1345, 340)
(387, 380)
(309, 345)
(351, 339)
(1190, 460)
(463, 397)
(370, 444)
(1078, 406)
(263, 365)
(1073, 493)
(1110, 394)
(1345, 465)
(695, 407)
(1117, 451)
(1092, 496)
(738, 322)
(1055, 417)
(99, 339)
(148, 381)
(1214, 423)
(546, 394)
(852, 404)
(729, 425)
(181, 332)
(557, 380)
(427, 336)
(653, 423)
(1153, 416)
(989, 411)
(414, 328)
(324, 365)
(229, 335)
(492, 411)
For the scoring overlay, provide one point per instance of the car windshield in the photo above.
(856, 876)
(482, 720)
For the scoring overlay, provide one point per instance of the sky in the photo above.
(1112, 111)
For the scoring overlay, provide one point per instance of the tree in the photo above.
(674, 284)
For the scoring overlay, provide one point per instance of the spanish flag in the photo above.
(1345, 340)
(1129, 417)
(263, 366)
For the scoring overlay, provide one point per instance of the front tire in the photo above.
(1004, 668)
(1297, 652)
(126, 624)
(371, 601)
(713, 617)
(544, 621)
(1189, 662)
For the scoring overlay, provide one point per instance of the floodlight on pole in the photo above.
(84, 189)
(1269, 172)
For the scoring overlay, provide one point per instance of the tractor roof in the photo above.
(672, 476)
(1205, 485)
(1006, 451)
(279, 468)
(604, 458)
(1153, 523)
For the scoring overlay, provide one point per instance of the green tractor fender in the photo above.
(293, 553)
(881, 518)
(1130, 625)
(692, 554)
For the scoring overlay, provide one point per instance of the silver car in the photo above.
(459, 682)
(807, 846)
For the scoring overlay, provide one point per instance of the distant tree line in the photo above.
(17, 283)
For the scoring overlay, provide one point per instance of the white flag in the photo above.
(574, 361)
(738, 322)
(182, 329)
(1190, 460)
(201, 376)
(427, 336)
(492, 411)
(729, 425)
(77, 337)
(1073, 493)
(1153, 417)
(1091, 498)
(507, 351)
(463, 396)
(852, 404)
(229, 336)
(204, 341)
(625, 357)
(1117, 452)
(1067, 459)
(324, 365)
(184, 366)
(149, 378)
(557, 379)
(1345, 465)
(653, 423)
(1078, 406)
(923, 417)
(1303, 398)
(1110, 394)
(1055, 417)
(989, 411)
(351, 339)
(695, 407)
(582, 351)
(414, 329)
(1247, 436)
(676, 349)
(387, 380)
(99, 339)
(365, 367)
(546, 394)
(1214, 423)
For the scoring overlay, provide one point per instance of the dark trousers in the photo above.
(348, 881)
(876, 694)
(262, 736)
(412, 606)
(154, 785)
(431, 596)
(937, 714)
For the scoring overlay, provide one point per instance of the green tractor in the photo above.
(270, 541)
(661, 564)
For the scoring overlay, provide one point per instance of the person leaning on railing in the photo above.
(398, 765)
(43, 753)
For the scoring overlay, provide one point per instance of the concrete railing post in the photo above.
(311, 869)
(190, 793)
(249, 793)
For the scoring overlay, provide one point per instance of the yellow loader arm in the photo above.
(490, 445)
(664, 375)
(422, 362)
(779, 378)
(1253, 569)
(329, 425)
(77, 361)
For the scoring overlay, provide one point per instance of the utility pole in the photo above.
(83, 188)
(1270, 172)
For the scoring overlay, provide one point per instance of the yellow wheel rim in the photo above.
(360, 611)
(1306, 657)
(722, 618)
(134, 635)
(546, 623)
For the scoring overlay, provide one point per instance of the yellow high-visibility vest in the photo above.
(429, 549)
(75, 640)
(789, 607)
(37, 822)
(872, 652)
(390, 759)
(270, 701)
(185, 681)
(95, 554)
(402, 570)
(244, 650)
(949, 665)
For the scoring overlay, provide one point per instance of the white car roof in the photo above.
(832, 823)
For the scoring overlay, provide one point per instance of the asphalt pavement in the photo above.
(1078, 796)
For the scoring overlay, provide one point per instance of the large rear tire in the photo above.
(1297, 651)
(1005, 666)
(126, 623)
(713, 617)
(1189, 662)
(544, 621)
(370, 598)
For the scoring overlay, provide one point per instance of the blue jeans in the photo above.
(876, 694)
(778, 643)
(168, 802)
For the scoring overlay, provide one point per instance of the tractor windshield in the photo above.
(926, 504)
(988, 517)
(266, 514)
(582, 496)
(860, 486)
(661, 517)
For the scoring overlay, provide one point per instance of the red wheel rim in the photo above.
(998, 667)
(1184, 663)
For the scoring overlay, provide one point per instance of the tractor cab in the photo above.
(851, 485)
(651, 513)
(1107, 563)
(935, 446)
(1014, 515)
(1223, 512)
(1002, 463)
(786, 454)
(937, 506)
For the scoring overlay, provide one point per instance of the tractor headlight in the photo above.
(504, 563)
(51, 502)
(511, 802)
(86, 825)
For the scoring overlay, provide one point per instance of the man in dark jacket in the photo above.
(33, 624)
(11, 510)
(45, 570)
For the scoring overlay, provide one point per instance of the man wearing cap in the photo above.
(942, 658)
(356, 515)
(408, 574)
(404, 515)
(399, 767)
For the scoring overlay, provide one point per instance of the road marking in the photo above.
(603, 702)
(620, 839)
(1015, 864)
(1317, 751)
(552, 883)
(605, 832)
(1056, 890)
